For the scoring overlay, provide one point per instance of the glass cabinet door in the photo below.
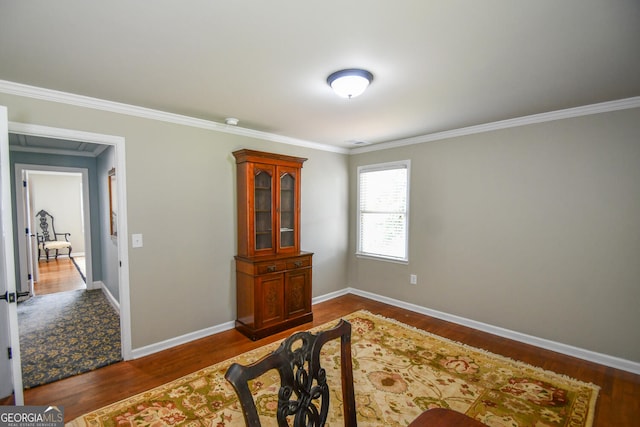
(287, 210)
(268, 203)
(263, 210)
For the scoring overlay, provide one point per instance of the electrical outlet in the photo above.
(413, 279)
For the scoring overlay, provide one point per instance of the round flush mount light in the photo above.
(350, 83)
(231, 121)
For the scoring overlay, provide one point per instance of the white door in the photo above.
(10, 369)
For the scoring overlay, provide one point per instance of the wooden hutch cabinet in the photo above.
(273, 277)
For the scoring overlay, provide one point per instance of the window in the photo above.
(383, 210)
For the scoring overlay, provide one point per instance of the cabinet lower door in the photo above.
(297, 292)
(269, 300)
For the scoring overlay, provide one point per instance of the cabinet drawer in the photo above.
(298, 263)
(270, 267)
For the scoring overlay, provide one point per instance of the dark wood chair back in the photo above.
(302, 380)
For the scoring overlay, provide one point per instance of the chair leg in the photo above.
(46, 251)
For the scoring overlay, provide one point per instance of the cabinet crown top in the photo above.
(260, 156)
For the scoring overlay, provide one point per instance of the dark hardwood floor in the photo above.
(618, 402)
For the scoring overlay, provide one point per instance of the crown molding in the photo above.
(603, 107)
(34, 92)
(20, 89)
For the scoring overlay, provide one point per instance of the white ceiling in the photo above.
(438, 64)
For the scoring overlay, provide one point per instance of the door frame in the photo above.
(12, 371)
(118, 142)
(21, 220)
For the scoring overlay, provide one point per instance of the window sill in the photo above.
(382, 258)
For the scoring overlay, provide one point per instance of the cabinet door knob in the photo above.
(271, 268)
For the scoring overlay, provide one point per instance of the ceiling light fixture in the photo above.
(232, 121)
(350, 83)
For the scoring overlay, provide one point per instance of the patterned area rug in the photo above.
(399, 371)
(65, 334)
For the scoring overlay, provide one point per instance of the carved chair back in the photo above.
(302, 380)
(48, 237)
(45, 223)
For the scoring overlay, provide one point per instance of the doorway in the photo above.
(57, 289)
(64, 193)
(120, 260)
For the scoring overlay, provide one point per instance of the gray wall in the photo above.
(534, 229)
(109, 247)
(181, 197)
(61, 196)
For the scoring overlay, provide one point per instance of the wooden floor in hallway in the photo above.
(57, 275)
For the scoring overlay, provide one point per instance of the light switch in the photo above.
(136, 240)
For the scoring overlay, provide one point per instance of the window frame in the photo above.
(400, 164)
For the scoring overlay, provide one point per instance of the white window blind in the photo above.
(383, 199)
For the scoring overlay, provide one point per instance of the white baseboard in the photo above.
(52, 257)
(95, 285)
(114, 303)
(183, 339)
(330, 296)
(591, 356)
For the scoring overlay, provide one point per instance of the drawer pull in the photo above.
(297, 264)
(271, 268)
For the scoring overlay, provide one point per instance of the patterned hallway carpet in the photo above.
(399, 371)
(65, 334)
